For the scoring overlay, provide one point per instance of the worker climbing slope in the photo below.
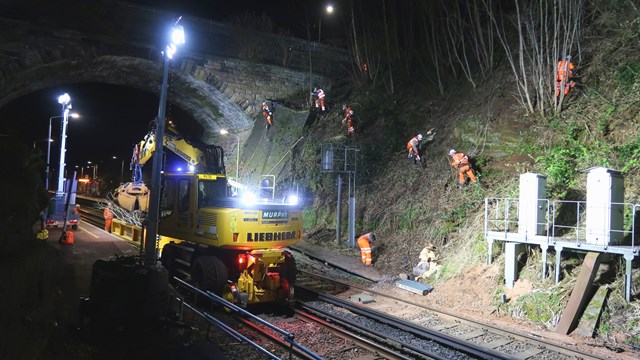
(268, 114)
(461, 162)
(564, 76)
(413, 147)
(349, 119)
(318, 96)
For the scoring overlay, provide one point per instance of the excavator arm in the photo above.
(206, 158)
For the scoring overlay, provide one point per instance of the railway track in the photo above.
(483, 340)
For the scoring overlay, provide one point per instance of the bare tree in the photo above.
(546, 31)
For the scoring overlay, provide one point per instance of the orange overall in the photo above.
(348, 115)
(319, 95)
(268, 115)
(563, 76)
(364, 242)
(412, 148)
(461, 162)
(108, 218)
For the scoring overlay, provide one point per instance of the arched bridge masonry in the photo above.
(220, 76)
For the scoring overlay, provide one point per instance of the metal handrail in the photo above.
(500, 218)
(288, 337)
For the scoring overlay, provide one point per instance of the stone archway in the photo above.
(206, 104)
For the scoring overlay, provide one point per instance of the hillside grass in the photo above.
(410, 206)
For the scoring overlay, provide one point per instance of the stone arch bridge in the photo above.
(219, 77)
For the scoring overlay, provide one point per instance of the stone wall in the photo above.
(248, 84)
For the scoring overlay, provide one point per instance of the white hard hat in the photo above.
(419, 137)
(452, 151)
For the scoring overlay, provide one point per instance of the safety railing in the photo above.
(611, 224)
(288, 337)
(501, 215)
(563, 220)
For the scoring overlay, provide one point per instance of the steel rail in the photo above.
(411, 328)
(493, 328)
(232, 307)
(359, 340)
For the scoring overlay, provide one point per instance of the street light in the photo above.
(46, 180)
(177, 38)
(65, 101)
(225, 132)
(121, 168)
(328, 10)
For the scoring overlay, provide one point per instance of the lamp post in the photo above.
(177, 38)
(65, 101)
(225, 132)
(121, 168)
(329, 10)
(46, 180)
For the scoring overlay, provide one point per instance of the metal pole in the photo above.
(122, 172)
(154, 202)
(319, 27)
(46, 180)
(238, 159)
(338, 212)
(63, 138)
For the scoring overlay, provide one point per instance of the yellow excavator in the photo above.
(219, 235)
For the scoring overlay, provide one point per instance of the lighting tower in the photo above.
(65, 101)
(177, 38)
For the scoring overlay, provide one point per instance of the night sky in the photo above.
(113, 118)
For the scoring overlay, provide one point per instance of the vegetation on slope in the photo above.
(411, 206)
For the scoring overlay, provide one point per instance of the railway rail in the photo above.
(502, 343)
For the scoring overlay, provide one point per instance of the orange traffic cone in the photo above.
(67, 238)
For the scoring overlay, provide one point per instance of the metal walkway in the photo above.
(564, 228)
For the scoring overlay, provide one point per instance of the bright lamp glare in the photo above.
(64, 99)
(329, 9)
(249, 198)
(192, 168)
(177, 35)
(179, 169)
(293, 199)
(74, 115)
(224, 132)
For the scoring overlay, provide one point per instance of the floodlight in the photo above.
(177, 35)
(64, 99)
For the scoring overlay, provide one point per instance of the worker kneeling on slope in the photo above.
(461, 162)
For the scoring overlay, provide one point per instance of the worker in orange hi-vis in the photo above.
(268, 114)
(461, 162)
(413, 147)
(564, 75)
(349, 119)
(364, 242)
(108, 218)
(318, 94)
